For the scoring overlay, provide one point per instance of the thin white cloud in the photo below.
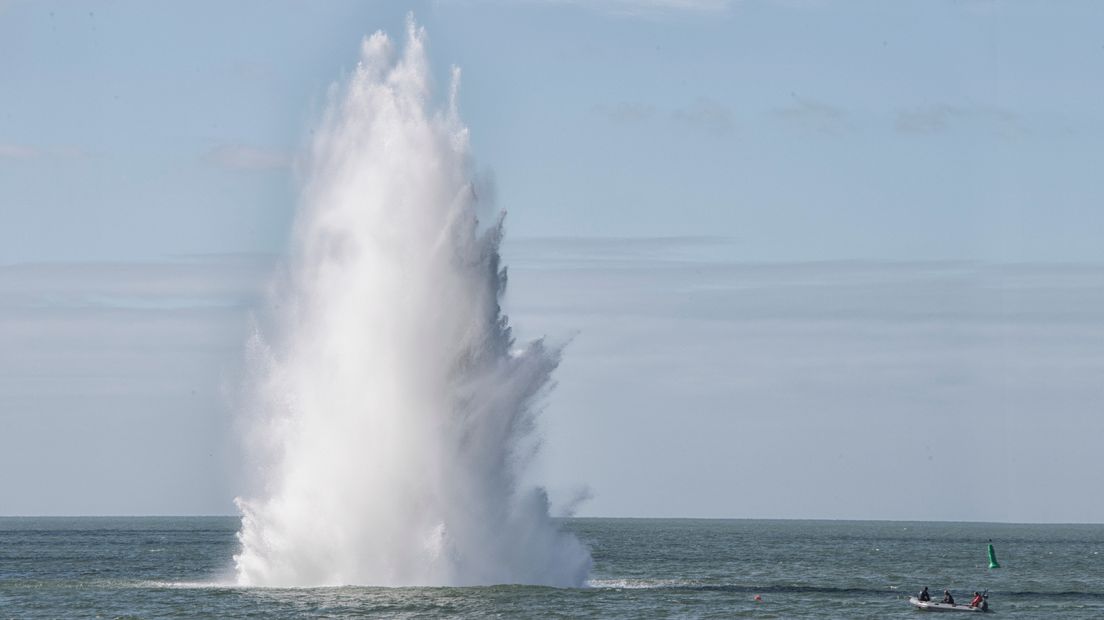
(821, 359)
(244, 157)
(28, 152)
(18, 151)
(695, 278)
(627, 112)
(814, 115)
(801, 4)
(711, 116)
(944, 117)
(639, 8)
(981, 7)
(219, 281)
(565, 251)
(661, 5)
(730, 366)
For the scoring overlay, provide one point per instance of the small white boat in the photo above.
(934, 606)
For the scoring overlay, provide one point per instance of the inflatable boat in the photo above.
(934, 606)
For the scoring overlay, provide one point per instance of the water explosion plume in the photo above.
(394, 411)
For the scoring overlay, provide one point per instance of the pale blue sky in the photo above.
(732, 206)
(804, 130)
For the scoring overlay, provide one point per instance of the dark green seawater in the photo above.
(157, 567)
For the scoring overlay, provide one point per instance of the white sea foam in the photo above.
(640, 584)
(394, 412)
(189, 585)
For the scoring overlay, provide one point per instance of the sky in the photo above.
(813, 259)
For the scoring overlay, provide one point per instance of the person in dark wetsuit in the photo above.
(947, 598)
(924, 596)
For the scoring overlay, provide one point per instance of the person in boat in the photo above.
(924, 596)
(947, 598)
(978, 600)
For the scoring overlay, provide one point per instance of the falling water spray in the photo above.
(394, 413)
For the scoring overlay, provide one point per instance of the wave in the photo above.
(692, 586)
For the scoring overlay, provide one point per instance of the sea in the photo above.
(181, 567)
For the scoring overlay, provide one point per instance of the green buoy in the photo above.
(993, 556)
